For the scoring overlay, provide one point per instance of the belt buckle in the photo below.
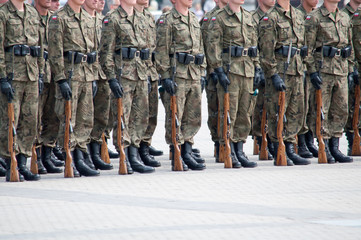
(137, 54)
(245, 52)
(84, 58)
(338, 53)
(192, 60)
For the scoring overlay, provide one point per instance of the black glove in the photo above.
(7, 89)
(116, 88)
(259, 79)
(278, 83)
(169, 86)
(203, 82)
(65, 89)
(353, 79)
(94, 88)
(316, 80)
(214, 77)
(222, 77)
(41, 83)
(149, 85)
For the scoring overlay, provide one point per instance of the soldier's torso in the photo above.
(356, 35)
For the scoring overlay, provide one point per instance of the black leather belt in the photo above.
(79, 57)
(331, 52)
(238, 51)
(24, 50)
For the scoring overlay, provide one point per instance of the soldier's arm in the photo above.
(41, 60)
(107, 48)
(311, 26)
(202, 50)
(2, 42)
(164, 43)
(254, 41)
(356, 30)
(351, 62)
(215, 44)
(267, 44)
(55, 47)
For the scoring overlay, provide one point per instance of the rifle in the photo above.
(104, 150)
(255, 146)
(221, 146)
(264, 154)
(33, 163)
(356, 149)
(226, 118)
(178, 166)
(120, 128)
(321, 144)
(281, 152)
(68, 172)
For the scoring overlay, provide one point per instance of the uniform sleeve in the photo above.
(214, 43)
(311, 27)
(267, 44)
(107, 48)
(41, 60)
(204, 64)
(164, 43)
(351, 62)
(356, 40)
(55, 47)
(2, 42)
(255, 43)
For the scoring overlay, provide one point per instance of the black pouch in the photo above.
(91, 57)
(332, 52)
(199, 59)
(131, 53)
(304, 51)
(69, 55)
(326, 51)
(144, 54)
(46, 55)
(239, 51)
(124, 52)
(35, 51)
(285, 50)
(25, 50)
(17, 50)
(181, 57)
(293, 51)
(252, 51)
(153, 56)
(233, 51)
(189, 59)
(346, 52)
(79, 57)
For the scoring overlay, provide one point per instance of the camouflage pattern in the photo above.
(227, 29)
(20, 28)
(276, 29)
(322, 27)
(186, 34)
(120, 29)
(211, 89)
(69, 31)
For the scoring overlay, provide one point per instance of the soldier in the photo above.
(72, 47)
(123, 46)
(350, 10)
(306, 148)
(280, 26)
(21, 71)
(54, 5)
(233, 27)
(328, 31)
(179, 29)
(100, 8)
(257, 15)
(211, 89)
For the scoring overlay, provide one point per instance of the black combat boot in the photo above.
(241, 156)
(349, 137)
(336, 153)
(2, 167)
(185, 167)
(275, 148)
(41, 168)
(186, 153)
(8, 171)
(81, 166)
(296, 159)
(23, 170)
(269, 146)
(146, 157)
(235, 162)
(57, 152)
(129, 168)
(135, 163)
(46, 159)
(330, 158)
(155, 152)
(94, 149)
(197, 157)
(55, 160)
(303, 150)
(75, 171)
(309, 142)
(216, 148)
(87, 159)
(196, 150)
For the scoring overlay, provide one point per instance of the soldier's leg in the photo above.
(212, 104)
(348, 127)
(311, 120)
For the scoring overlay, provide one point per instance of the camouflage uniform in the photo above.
(120, 29)
(70, 31)
(323, 28)
(276, 29)
(20, 28)
(185, 32)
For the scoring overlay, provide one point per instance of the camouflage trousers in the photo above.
(101, 111)
(48, 123)
(241, 106)
(351, 110)
(310, 116)
(25, 113)
(135, 112)
(294, 108)
(188, 108)
(111, 118)
(212, 101)
(153, 113)
(257, 113)
(334, 105)
(81, 114)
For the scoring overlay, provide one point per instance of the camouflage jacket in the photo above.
(276, 29)
(122, 30)
(16, 29)
(322, 28)
(355, 19)
(69, 31)
(227, 29)
(44, 29)
(186, 34)
(99, 23)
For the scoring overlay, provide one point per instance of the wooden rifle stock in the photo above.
(33, 162)
(255, 146)
(68, 172)
(14, 174)
(281, 152)
(178, 166)
(221, 146)
(356, 149)
(122, 165)
(263, 153)
(226, 133)
(104, 150)
(321, 144)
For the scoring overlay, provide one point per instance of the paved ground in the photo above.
(300, 202)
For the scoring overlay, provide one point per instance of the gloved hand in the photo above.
(94, 88)
(149, 85)
(41, 83)
(169, 86)
(203, 82)
(353, 79)
(7, 89)
(65, 89)
(259, 79)
(278, 83)
(316, 80)
(222, 77)
(214, 77)
(116, 88)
